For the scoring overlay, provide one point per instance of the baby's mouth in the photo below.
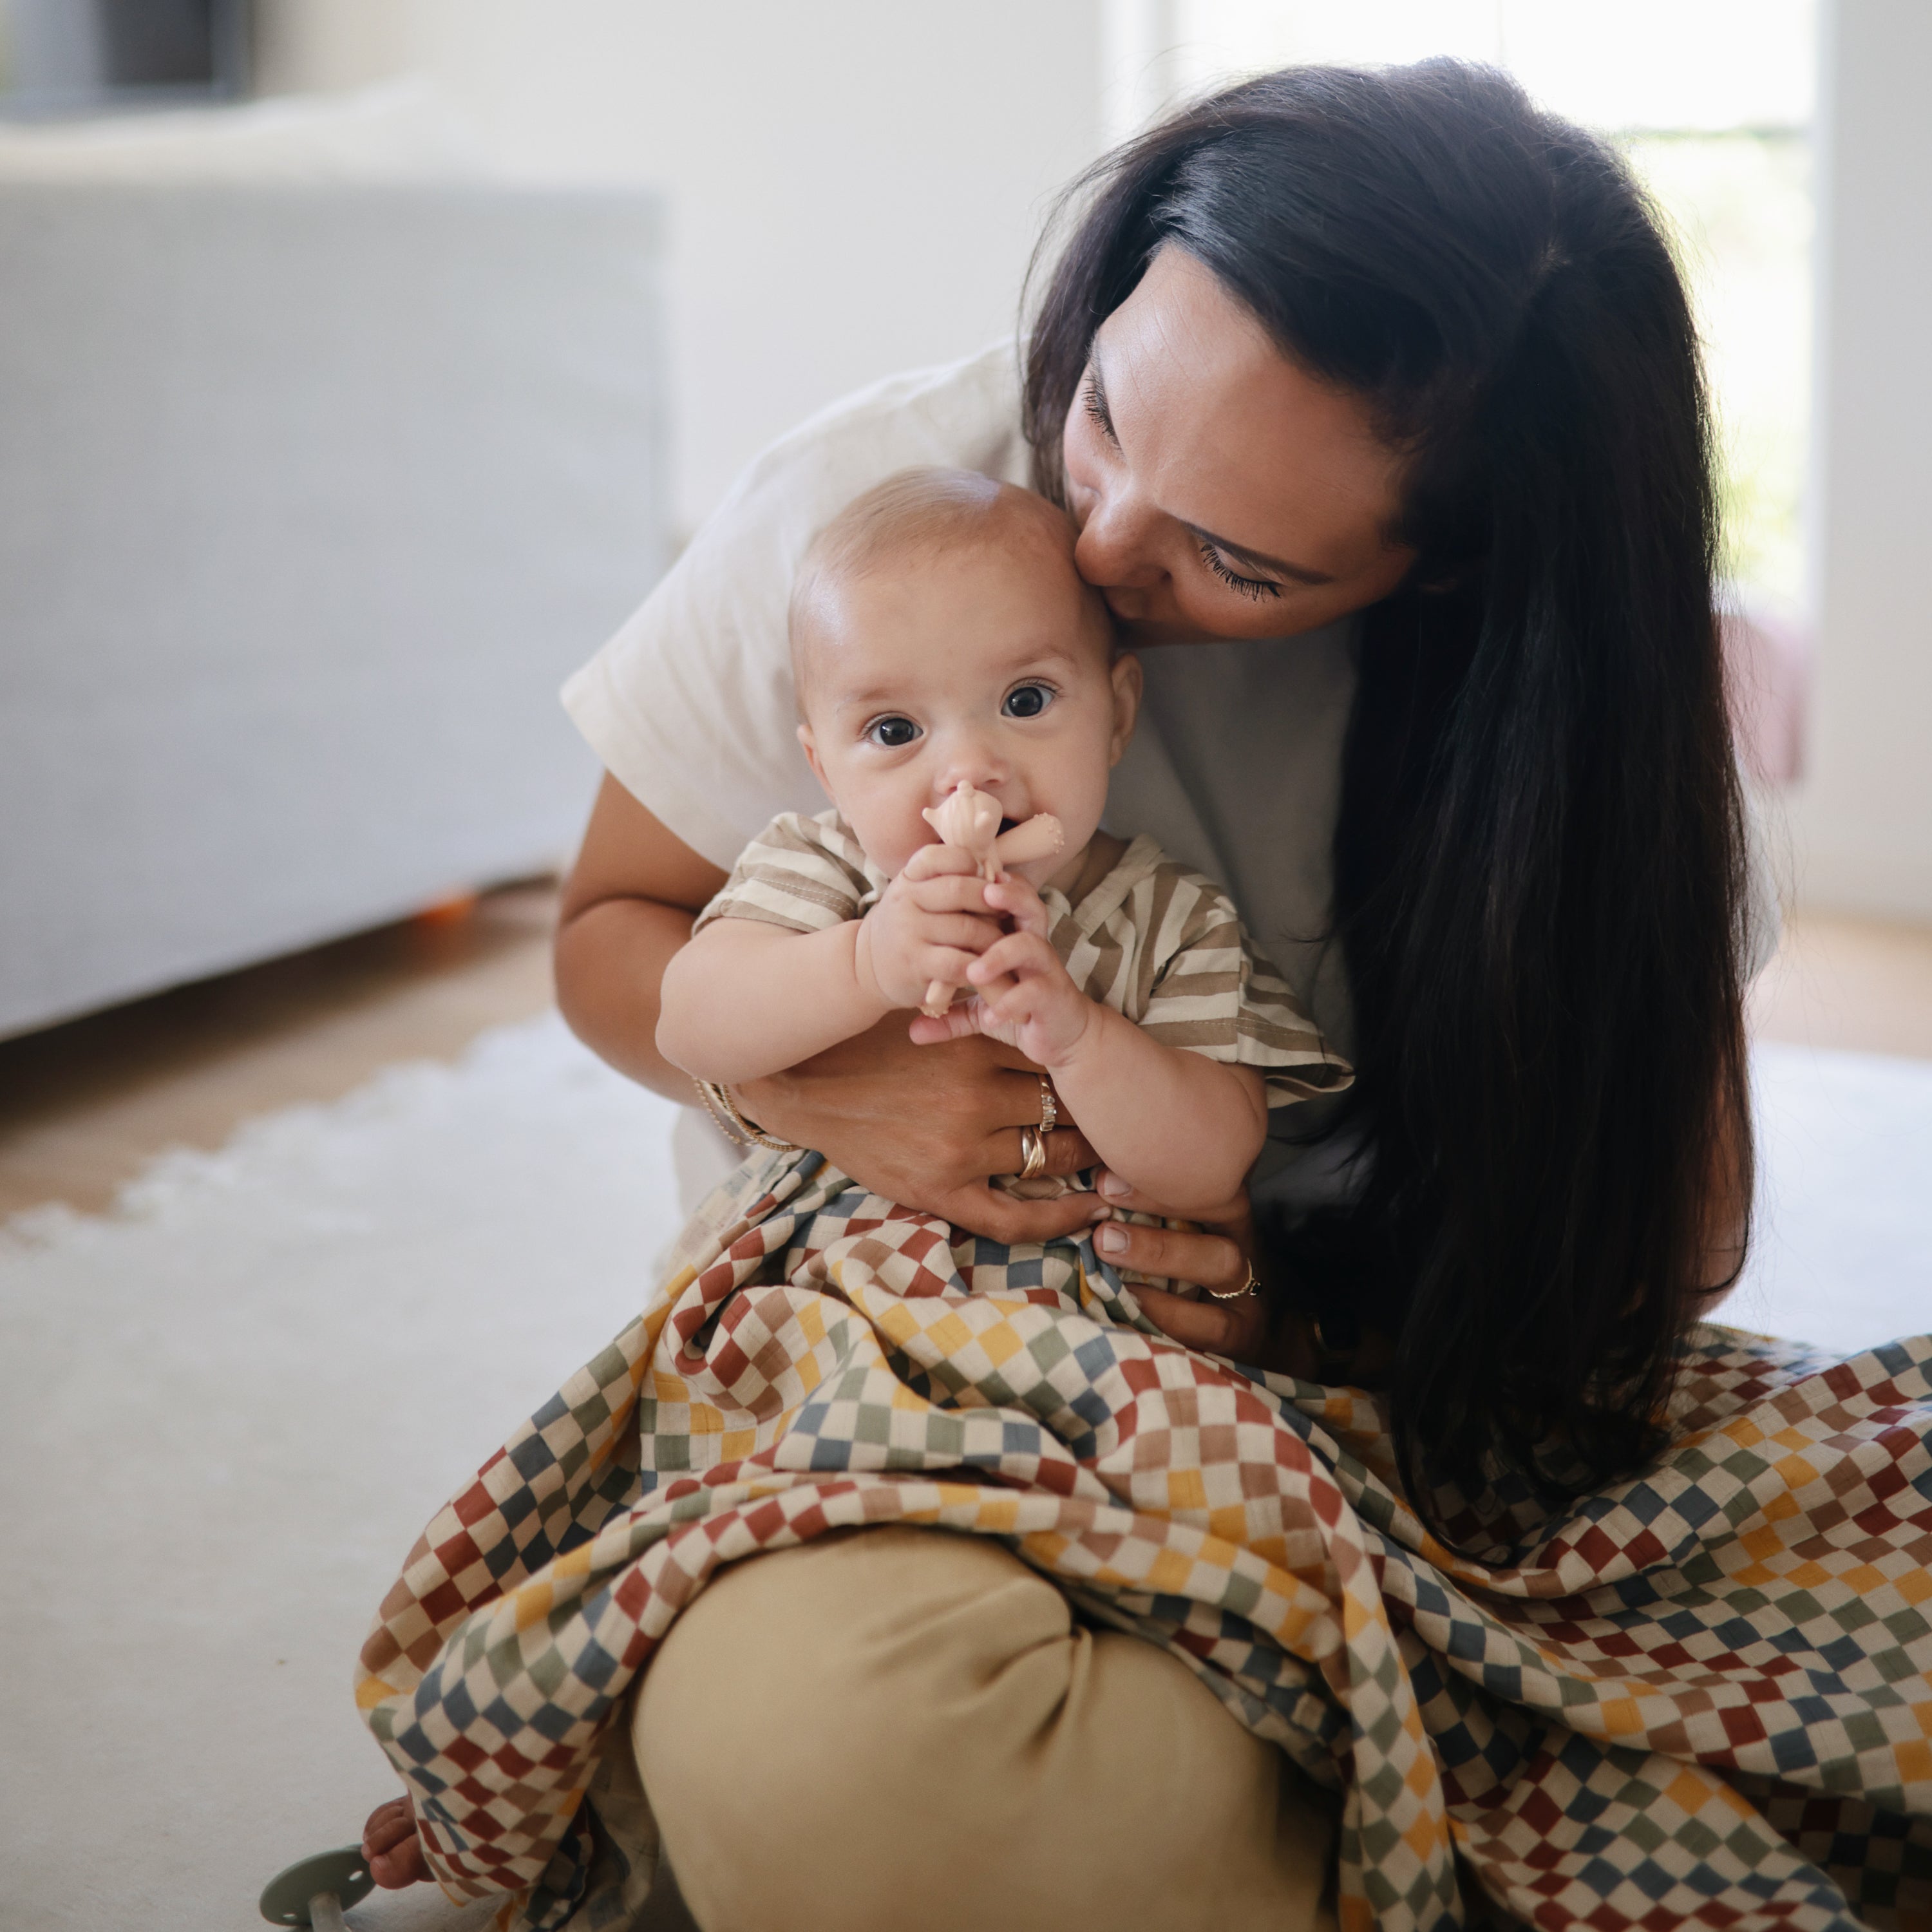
(1007, 824)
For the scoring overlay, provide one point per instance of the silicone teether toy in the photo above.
(969, 821)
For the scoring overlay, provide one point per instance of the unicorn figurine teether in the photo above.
(968, 820)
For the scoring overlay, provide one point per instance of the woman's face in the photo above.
(1221, 491)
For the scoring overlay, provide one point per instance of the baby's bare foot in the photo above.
(393, 1846)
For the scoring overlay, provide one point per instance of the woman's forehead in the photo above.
(1228, 435)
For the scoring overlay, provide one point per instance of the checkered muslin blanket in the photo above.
(1700, 1697)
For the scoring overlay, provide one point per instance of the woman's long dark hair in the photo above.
(1540, 862)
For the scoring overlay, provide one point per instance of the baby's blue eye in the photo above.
(1027, 700)
(892, 733)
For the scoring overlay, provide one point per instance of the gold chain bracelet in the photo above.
(719, 1104)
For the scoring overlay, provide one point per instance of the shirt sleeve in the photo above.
(691, 706)
(805, 874)
(1214, 994)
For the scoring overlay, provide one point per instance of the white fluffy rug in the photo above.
(229, 1405)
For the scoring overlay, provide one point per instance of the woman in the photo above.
(1376, 401)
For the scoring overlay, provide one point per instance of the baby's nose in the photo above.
(972, 760)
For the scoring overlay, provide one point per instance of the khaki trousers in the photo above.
(897, 1727)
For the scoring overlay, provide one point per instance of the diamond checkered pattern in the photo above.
(1700, 1697)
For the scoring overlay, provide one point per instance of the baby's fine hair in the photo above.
(913, 514)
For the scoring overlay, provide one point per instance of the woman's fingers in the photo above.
(982, 1210)
(1238, 1330)
(1173, 1254)
(1067, 1153)
(1235, 1217)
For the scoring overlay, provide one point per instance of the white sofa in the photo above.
(311, 494)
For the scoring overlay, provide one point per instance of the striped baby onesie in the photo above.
(1154, 940)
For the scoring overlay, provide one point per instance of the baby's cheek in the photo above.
(890, 836)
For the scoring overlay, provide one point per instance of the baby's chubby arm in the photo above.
(745, 999)
(1176, 1125)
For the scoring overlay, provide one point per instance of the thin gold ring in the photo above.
(1251, 1286)
(1049, 1106)
(1033, 1154)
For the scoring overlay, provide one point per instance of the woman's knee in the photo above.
(832, 1731)
(814, 1674)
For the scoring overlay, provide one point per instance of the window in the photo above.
(1712, 100)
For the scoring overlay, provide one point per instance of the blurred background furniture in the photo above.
(310, 495)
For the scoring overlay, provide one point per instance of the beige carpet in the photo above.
(227, 1409)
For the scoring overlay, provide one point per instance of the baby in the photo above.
(941, 637)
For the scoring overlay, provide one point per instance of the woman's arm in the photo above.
(628, 908)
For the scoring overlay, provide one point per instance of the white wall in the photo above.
(854, 189)
(1863, 818)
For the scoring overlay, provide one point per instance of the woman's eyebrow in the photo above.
(1259, 559)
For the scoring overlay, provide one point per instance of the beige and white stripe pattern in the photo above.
(1154, 940)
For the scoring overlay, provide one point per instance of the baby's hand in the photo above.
(1026, 997)
(931, 923)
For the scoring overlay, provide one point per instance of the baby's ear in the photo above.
(810, 746)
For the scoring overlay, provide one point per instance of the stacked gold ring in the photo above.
(1251, 1286)
(1033, 1140)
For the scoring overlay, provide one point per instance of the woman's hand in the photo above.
(1218, 1259)
(927, 1127)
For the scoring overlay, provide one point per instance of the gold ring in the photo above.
(1251, 1286)
(1033, 1154)
(1049, 1106)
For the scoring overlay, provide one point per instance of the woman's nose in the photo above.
(1116, 549)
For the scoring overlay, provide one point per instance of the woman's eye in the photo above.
(1094, 400)
(1256, 587)
(1026, 700)
(892, 733)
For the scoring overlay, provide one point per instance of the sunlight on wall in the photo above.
(1713, 100)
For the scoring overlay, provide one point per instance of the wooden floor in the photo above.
(83, 1107)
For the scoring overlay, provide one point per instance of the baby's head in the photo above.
(939, 631)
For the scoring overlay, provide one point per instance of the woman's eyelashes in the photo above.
(1256, 587)
(1094, 400)
(1027, 700)
(891, 734)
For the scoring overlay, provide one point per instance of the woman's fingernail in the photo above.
(1113, 1186)
(1099, 1212)
(1112, 1239)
